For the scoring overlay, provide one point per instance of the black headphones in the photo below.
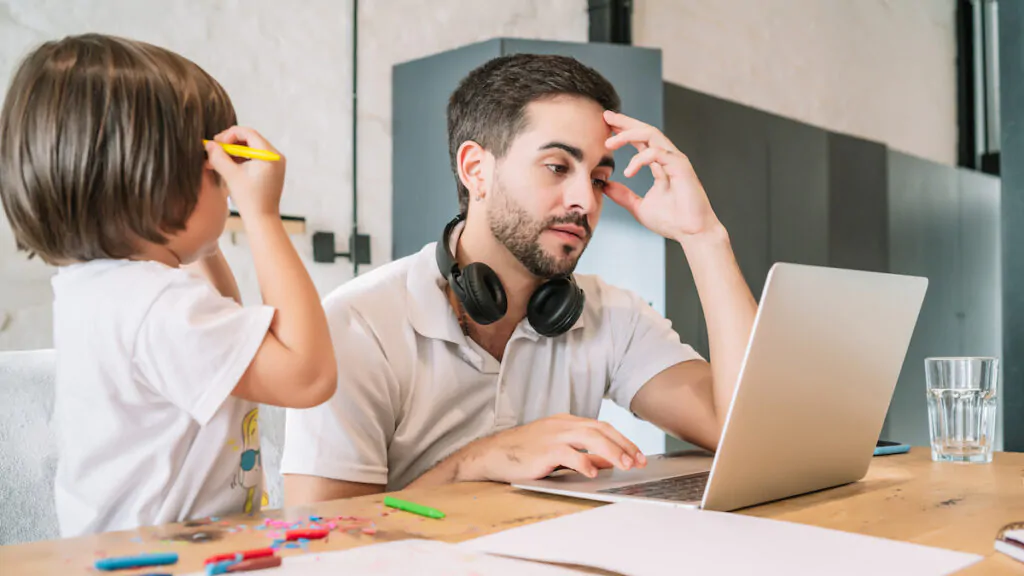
(553, 309)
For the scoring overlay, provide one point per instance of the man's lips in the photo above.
(571, 229)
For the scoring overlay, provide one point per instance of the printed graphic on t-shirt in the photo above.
(250, 469)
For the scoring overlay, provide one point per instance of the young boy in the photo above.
(103, 173)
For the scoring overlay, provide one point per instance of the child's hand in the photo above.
(255, 185)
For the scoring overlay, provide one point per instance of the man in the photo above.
(444, 374)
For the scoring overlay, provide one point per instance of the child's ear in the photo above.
(210, 177)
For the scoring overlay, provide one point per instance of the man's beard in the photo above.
(520, 234)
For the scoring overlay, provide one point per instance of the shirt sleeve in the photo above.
(646, 342)
(194, 345)
(347, 437)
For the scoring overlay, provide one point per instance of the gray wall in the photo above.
(796, 193)
(944, 224)
(1011, 88)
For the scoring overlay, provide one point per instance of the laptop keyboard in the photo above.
(680, 488)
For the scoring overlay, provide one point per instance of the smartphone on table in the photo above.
(886, 447)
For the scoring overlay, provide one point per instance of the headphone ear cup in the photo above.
(555, 307)
(483, 295)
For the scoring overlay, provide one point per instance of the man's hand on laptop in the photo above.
(537, 449)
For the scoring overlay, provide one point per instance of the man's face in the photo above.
(547, 190)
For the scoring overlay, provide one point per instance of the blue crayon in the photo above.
(159, 559)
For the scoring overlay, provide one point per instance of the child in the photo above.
(103, 173)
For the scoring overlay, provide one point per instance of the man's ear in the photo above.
(473, 163)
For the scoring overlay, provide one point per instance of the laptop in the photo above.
(814, 387)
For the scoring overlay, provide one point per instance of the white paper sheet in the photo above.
(638, 539)
(405, 557)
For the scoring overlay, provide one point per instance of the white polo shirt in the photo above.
(412, 389)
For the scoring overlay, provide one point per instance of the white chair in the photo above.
(28, 449)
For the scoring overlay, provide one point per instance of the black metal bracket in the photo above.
(324, 250)
(611, 21)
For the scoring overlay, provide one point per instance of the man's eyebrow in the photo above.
(576, 153)
(572, 150)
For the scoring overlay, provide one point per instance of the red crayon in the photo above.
(306, 534)
(247, 554)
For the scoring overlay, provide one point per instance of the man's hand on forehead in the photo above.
(676, 206)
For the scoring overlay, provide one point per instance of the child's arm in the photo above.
(216, 270)
(295, 366)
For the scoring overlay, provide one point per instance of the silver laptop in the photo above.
(814, 387)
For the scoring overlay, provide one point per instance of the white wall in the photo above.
(879, 69)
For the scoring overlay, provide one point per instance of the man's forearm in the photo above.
(728, 306)
(462, 466)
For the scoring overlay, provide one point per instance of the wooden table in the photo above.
(906, 497)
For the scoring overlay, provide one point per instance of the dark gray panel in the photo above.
(923, 236)
(1011, 96)
(622, 251)
(767, 178)
(727, 145)
(682, 305)
(981, 293)
(684, 119)
(798, 192)
(732, 163)
(858, 228)
(424, 194)
(980, 259)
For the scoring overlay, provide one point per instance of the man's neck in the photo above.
(493, 338)
(476, 243)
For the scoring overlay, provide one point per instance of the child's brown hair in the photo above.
(101, 146)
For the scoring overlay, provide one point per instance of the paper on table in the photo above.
(645, 539)
(420, 557)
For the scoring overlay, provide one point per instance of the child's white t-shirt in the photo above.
(148, 432)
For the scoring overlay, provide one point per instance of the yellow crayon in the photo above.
(246, 152)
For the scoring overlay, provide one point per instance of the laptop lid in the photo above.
(820, 369)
